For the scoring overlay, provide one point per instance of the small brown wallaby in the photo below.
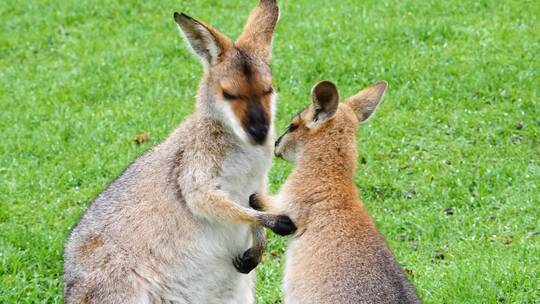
(337, 255)
(175, 225)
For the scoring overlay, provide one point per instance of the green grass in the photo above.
(459, 127)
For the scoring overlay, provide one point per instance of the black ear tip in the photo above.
(181, 16)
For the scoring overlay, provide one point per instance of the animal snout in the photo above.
(258, 132)
(276, 144)
(258, 121)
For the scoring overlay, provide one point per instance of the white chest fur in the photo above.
(212, 276)
(244, 172)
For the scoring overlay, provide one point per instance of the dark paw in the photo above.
(254, 202)
(246, 262)
(283, 226)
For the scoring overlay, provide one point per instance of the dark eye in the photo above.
(292, 127)
(229, 96)
(269, 91)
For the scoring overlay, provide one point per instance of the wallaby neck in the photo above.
(327, 170)
(334, 159)
(205, 98)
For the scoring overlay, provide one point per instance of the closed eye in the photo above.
(292, 127)
(269, 91)
(229, 96)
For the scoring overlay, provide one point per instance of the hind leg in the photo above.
(104, 289)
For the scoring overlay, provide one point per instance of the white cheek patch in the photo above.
(273, 102)
(231, 120)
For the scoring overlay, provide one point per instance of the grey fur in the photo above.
(168, 229)
(138, 240)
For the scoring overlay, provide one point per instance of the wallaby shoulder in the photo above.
(196, 143)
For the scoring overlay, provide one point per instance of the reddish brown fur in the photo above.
(251, 86)
(257, 37)
(90, 246)
(337, 256)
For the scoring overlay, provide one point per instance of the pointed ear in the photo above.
(206, 42)
(257, 34)
(366, 101)
(325, 98)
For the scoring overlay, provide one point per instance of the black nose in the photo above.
(258, 133)
(258, 121)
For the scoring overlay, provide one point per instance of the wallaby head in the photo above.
(237, 87)
(328, 123)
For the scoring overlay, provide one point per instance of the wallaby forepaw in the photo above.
(283, 225)
(255, 202)
(247, 261)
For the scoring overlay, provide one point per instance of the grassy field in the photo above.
(449, 167)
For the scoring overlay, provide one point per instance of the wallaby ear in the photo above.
(366, 101)
(205, 41)
(325, 98)
(257, 34)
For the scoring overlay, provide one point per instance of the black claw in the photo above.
(246, 262)
(254, 202)
(284, 225)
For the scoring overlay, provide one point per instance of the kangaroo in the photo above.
(175, 225)
(337, 255)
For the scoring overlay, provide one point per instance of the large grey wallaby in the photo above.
(176, 226)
